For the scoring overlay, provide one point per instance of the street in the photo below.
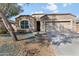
(69, 49)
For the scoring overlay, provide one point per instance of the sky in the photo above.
(49, 8)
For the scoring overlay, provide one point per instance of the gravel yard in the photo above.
(20, 36)
(26, 47)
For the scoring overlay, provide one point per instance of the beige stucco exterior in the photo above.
(31, 21)
(66, 20)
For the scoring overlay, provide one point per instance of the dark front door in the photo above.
(38, 25)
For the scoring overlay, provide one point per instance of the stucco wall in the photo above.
(31, 23)
(66, 20)
(77, 27)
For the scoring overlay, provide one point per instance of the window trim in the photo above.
(21, 21)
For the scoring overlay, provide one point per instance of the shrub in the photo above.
(3, 31)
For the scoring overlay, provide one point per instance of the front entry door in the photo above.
(38, 25)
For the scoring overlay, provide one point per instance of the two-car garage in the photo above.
(57, 25)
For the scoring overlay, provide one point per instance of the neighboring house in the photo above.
(44, 22)
(11, 22)
(77, 26)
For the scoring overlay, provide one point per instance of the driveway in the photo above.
(69, 49)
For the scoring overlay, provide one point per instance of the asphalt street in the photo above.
(69, 49)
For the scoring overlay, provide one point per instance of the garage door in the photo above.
(56, 25)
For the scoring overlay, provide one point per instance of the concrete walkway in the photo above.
(69, 49)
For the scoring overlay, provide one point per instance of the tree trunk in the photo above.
(8, 26)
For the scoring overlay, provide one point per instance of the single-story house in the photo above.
(45, 22)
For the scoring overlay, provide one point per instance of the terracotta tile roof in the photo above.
(46, 14)
(39, 14)
(23, 16)
(56, 14)
(62, 14)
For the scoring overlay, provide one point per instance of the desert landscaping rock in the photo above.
(22, 48)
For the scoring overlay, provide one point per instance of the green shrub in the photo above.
(3, 31)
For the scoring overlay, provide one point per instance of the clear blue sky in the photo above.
(48, 8)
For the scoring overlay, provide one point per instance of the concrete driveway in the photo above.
(69, 49)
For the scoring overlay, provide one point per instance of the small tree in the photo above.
(8, 10)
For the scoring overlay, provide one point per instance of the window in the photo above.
(24, 24)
